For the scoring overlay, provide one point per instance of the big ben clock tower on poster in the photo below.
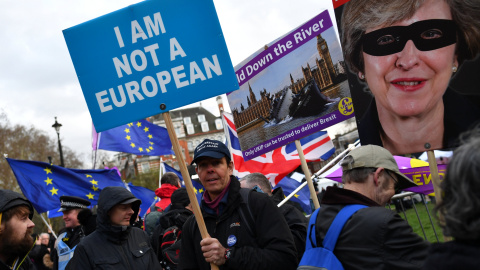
(322, 48)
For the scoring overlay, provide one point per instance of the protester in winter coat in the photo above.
(115, 244)
(169, 183)
(39, 251)
(248, 233)
(166, 238)
(374, 237)
(296, 221)
(16, 228)
(178, 212)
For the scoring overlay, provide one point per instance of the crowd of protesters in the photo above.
(246, 230)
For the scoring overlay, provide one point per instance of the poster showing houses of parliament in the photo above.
(291, 88)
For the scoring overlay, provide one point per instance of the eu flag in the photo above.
(198, 189)
(43, 183)
(146, 195)
(303, 196)
(139, 138)
(167, 168)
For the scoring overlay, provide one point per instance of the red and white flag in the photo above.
(275, 165)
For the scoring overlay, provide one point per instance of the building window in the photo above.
(190, 129)
(187, 120)
(201, 118)
(178, 131)
(145, 167)
(218, 123)
(205, 127)
(190, 146)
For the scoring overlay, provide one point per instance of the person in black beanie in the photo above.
(16, 228)
(88, 221)
(178, 212)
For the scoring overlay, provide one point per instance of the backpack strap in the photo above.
(312, 240)
(248, 218)
(333, 232)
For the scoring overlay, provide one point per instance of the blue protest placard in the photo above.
(150, 58)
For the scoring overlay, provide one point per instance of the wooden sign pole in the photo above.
(313, 194)
(432, 163)
(186, 178)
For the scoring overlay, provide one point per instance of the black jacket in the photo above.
(10, 199)
(25, 265)
(114, 247)
(36, 254)
(271, 248)
(453, 255)
(373, 238)
(296, 221)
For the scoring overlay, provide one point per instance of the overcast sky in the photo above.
(37, 78)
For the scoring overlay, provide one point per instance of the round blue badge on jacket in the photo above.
(231, 240)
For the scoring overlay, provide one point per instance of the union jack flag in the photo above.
(277, 164)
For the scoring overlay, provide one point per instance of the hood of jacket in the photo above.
(165, 191)
(109, 197)
(10, 199)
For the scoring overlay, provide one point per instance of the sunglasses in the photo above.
(427, 35)
(395, 181)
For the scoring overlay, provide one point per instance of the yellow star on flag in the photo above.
(127, 130)
(130, 124)
(48, 181)
(201, 190)
(48, 170)
(53, 191)
(94, 182)
(90, 196)
(128, 138)
(140, 149)
(132, 145)
(94, 188)
(145, 129)
(148, 150)
(88, 175)
(139, 124)
(150, 136)
(151, 143)
(151, 148)
(194, 189)
(296, 195)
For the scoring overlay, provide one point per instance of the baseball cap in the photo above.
(72, 202)
(373, 156)
(130, 200)
(210, 148)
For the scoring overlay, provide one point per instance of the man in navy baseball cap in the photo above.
(270, 244)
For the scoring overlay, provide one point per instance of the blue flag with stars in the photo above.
(303, 196)
(199, 190)
(168, 168)
(43, 183)
(146, 195)
(139, 138)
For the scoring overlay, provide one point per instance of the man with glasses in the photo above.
(374, 237)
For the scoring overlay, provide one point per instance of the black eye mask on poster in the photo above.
(427, 35)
